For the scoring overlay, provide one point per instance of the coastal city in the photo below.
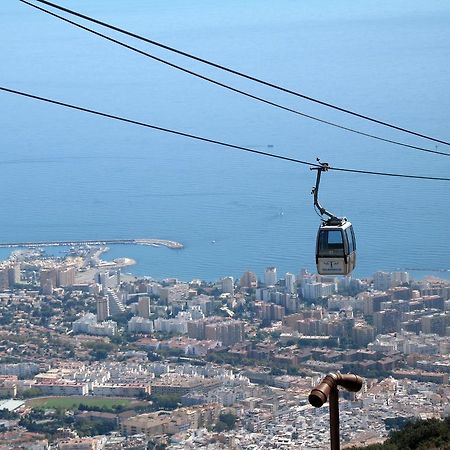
(224, 225)
(94, 358)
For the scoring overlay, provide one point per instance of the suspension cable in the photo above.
(212, 141)
(235, 72)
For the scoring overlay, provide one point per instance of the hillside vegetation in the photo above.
(432, 434)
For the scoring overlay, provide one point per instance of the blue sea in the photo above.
(69, 175)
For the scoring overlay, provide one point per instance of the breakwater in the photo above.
(149, 242)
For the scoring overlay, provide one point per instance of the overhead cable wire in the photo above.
(236, 72)
(213, 141)
(239, 91)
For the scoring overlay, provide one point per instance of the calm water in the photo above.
(67, 175)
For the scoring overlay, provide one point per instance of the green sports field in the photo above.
(74, 402)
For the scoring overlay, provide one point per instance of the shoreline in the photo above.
(138, 268)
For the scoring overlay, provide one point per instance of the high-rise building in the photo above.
(143, 308)
(4, 279)
(115, 303)
(372, 302)
(228, 285)
(65, 276)
(362, 334)
(50, 277)
(248, 280)
(399, 278)
(269, 311)
(304, 277)
(228, 332)
(270, 276)
(381, 281)
(47, 276)
(291, 303)
(177, 294)
(102, 309)
(436, 323)
(196, 329)
(14, 275)
(315, 291)
(140, 325)
(109, 280)
(311, 291)
(176, 325)
(291, 287)
(387, 321)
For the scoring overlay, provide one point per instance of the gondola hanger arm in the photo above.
(332, 219)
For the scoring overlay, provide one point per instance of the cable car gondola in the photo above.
(336, 244)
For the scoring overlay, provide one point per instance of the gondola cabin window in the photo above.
(331, 243)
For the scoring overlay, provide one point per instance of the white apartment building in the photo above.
(88, 325)
(228, 285)
(270, 276)
(140, 325)
(290, 280)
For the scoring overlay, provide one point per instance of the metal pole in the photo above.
(333, 400)
(327, 389)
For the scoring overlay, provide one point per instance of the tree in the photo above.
(275, 335)
(100, 350)
(152, 356)
(420, 434)
(93, 427)
(220, 427)
(228, 419)
(226, 422)
(276, 371)
(122, 318)
(30, 393)
(8, 415)
(169, 401)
